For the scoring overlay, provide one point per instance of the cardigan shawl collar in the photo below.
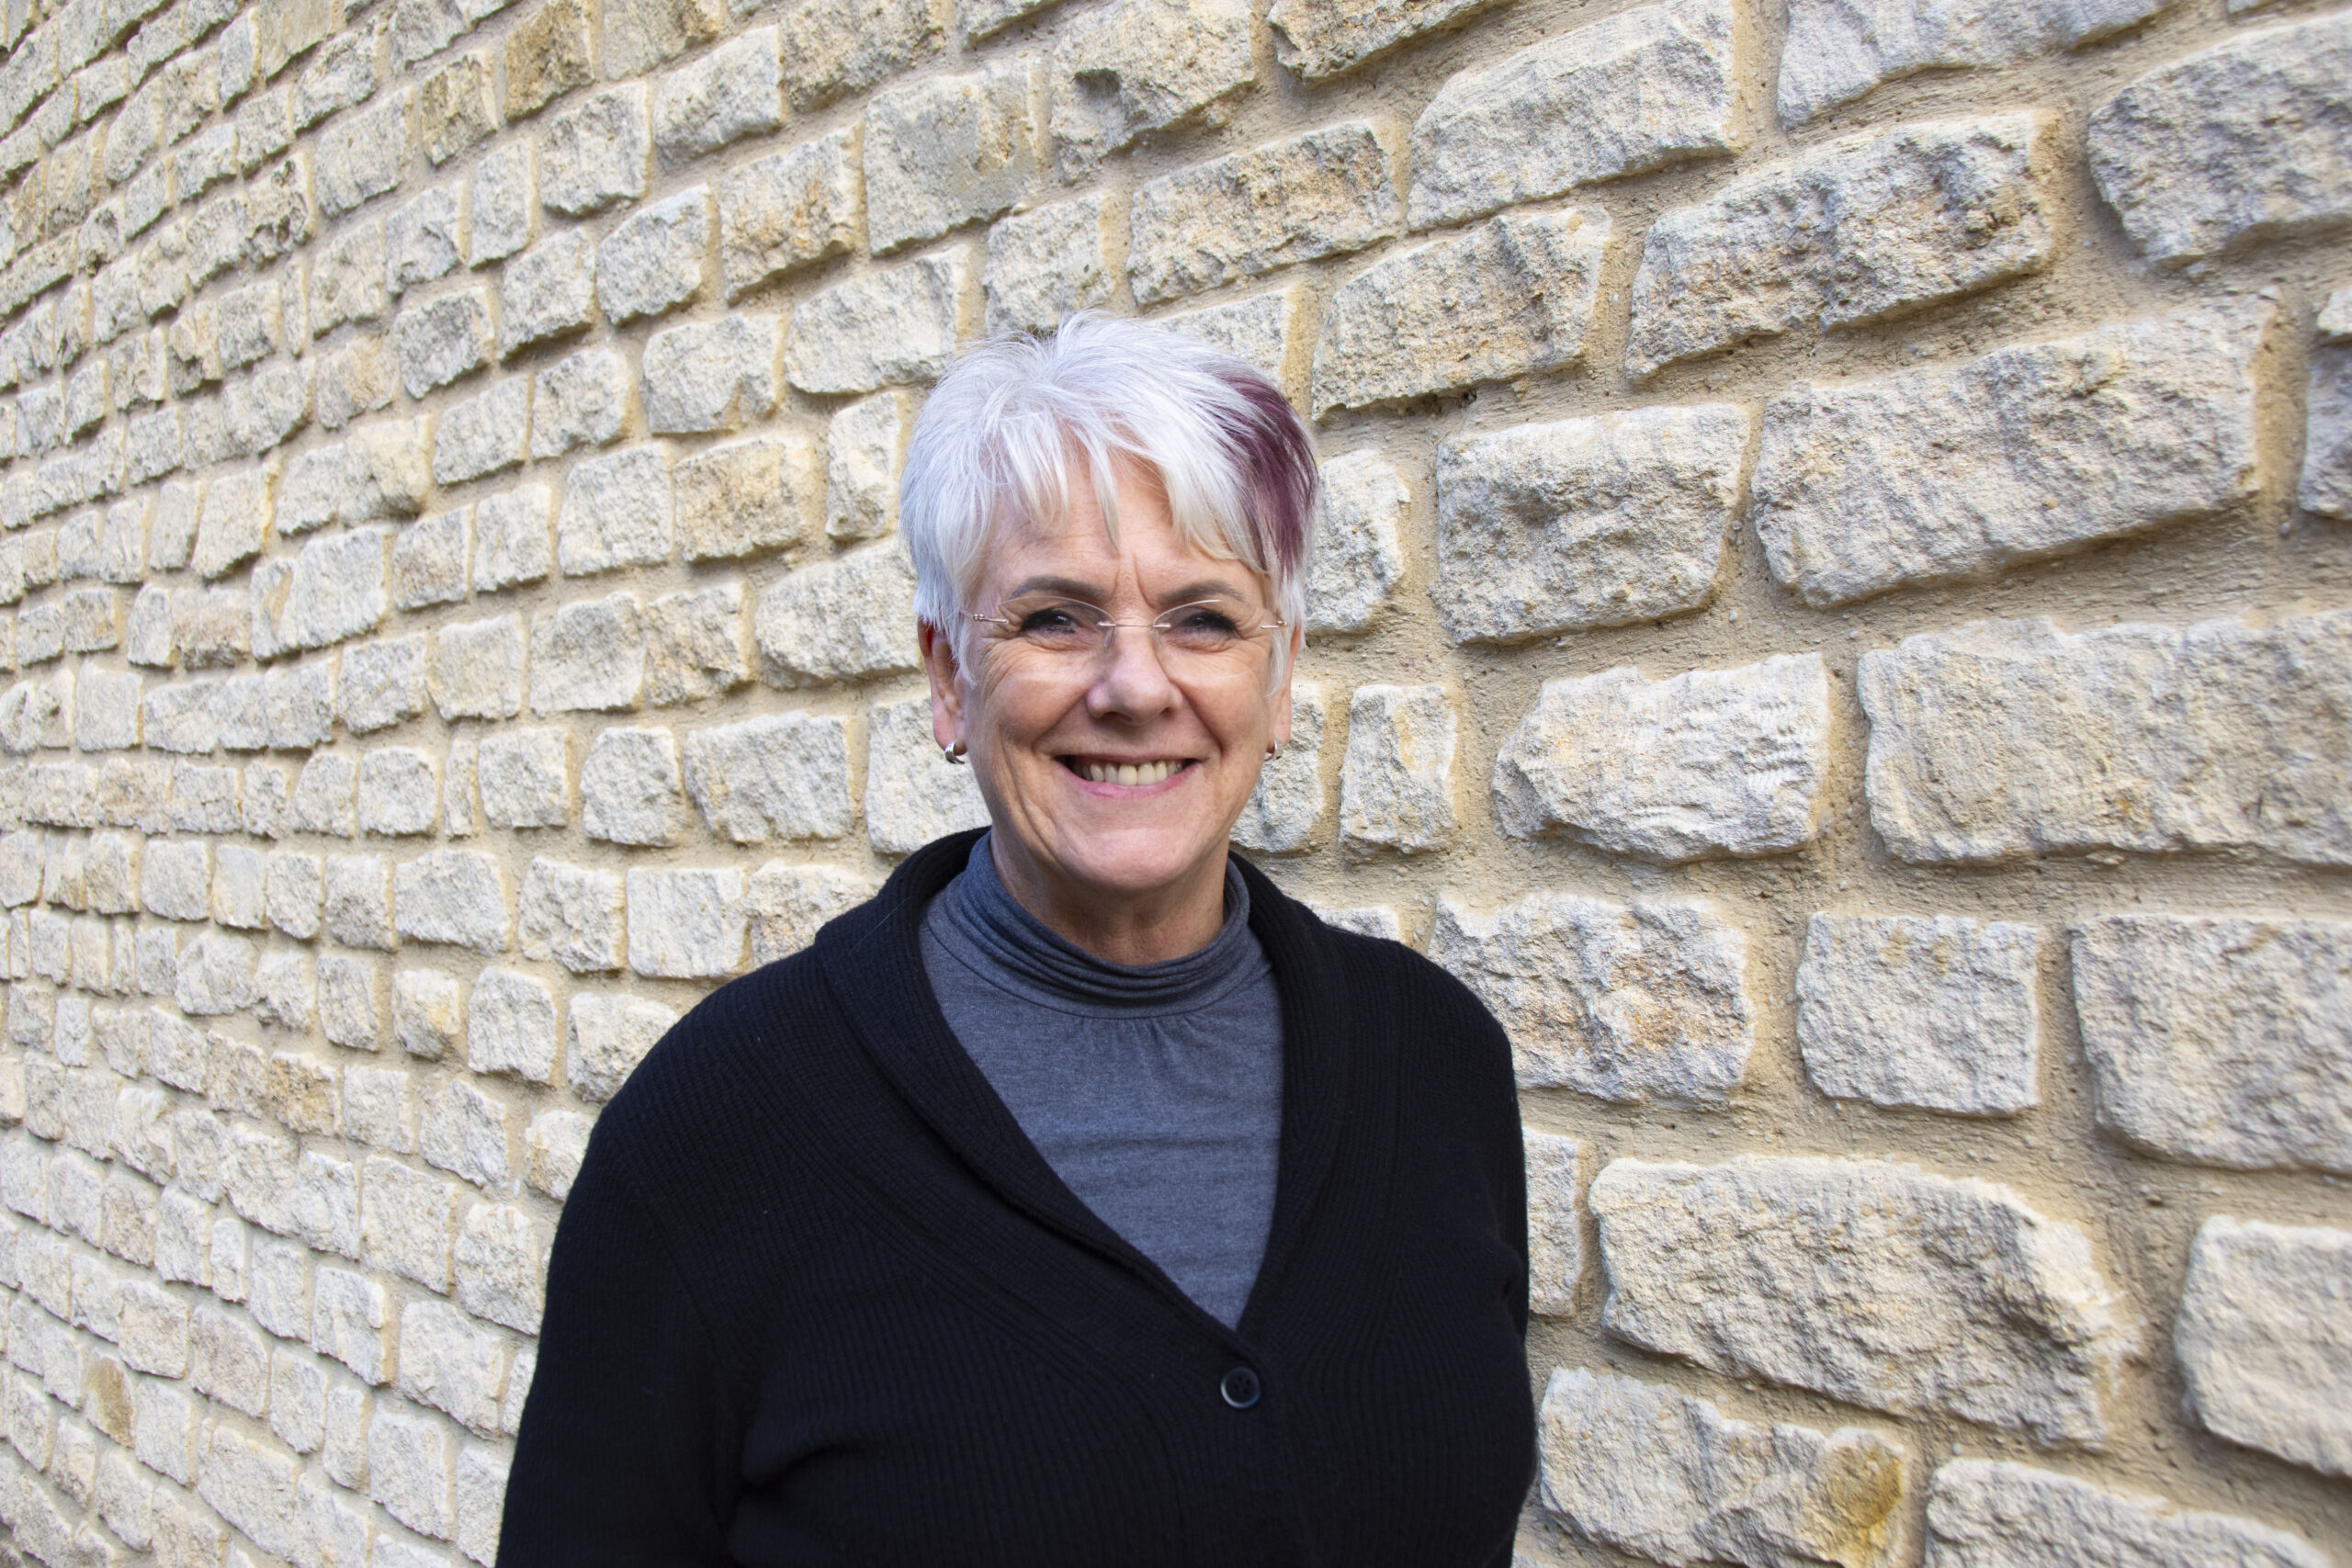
(873, 961)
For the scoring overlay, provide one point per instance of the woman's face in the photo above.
(1049, 734)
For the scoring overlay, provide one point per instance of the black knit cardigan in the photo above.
(815, 1299)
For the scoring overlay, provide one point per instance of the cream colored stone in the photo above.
(1285, 814)
(1839, 49)
(1397, 781)
(951, 149)
(1320, 38)
(1323, 194)
(1937, 1012)
(885, 328)
(730, 92)
(850, 618)
(1138, 66)
(1554, 1231)
(1514, 298)
(1630, 1003)
(790, 209)
(2265, 1341)
(1988, 1514)
(1988, 1310)
(912, 795)
(1712, 762)
(1044, 263)
(842, 46)
(610, 1035)
(747, 497)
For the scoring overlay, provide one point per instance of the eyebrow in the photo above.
(1071, 588)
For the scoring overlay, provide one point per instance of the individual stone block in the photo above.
(1044, 264)
(581, 401)
(362, 154)
(610, 1035)
(572, 915)
(410, 1471)
(1586, 523)
(1638, 91)
(1937, 1012)
(2009, 737)
(428, 1012)
(1284, 813)
(504, 195)
(1142, 65)
(1631, 1003)
(1712, 762)
(347, 278)
(654, 260)
(747, 497)
(338, 589)
(789, 903)
(951, 149)
(1839, 49)
(1982, 1513)
(711, 375)
(864, 449)
(486, 434)
(548, 290)
(1397, 781)
(849, 619)
(838, 49)
(447, 1362)
(629, 787)
(790, 209)
(1856, 232)
(510, 1026)
(234, 523)
(2264, 1341)
(1665, 1476)
(349, 1010)
(526, 778)
(429, 560)
(478, 668)
(557, 1142)
(547, 55)
(442, 340)
(2222, 1041)
(2137, 425)
(912, 795)
(1315, 39)
(2326, 486)
(685, 924)
(1264, 332)
(399, 792)
(588, 655)
(594, 154)
(2005, 1320)
(1555, 1235)
(781, 776)
(1322, 194)
(452, 896)
(1511, 298)
(641, 34)
(359, 901)
(424, 240)
(616, 512)
(885, 328)
(729, 94)
(695, 645)
(1359, 552)
(2249, 139)
(382, 683)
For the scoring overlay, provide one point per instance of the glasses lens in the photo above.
(1052, 625)
(1209, 627)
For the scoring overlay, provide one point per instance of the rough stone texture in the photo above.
(1513, 297)
(841, 48)
(912, 795)
(1359, 550)
(1631, 1003)
(1142, 65)
(1586, 523)
(1638, 91)
(841, 619)
(629, 787)
(747, 497)
(2265, 1338)
(888, 327)
(950, 149)
(2010, 738)
(1937, 1012)
(2223, 1042)
(655, 260)
(580, 401)
(783, 776)
(1663, 1475)
(1933, 475)
(548, 290)
(1284, 813)
(1988, 1514)
(711, 375)
(1554, 1237)
(573, 916)
(588, 655)
(1323, 194)
(1839, 49)
(2327, 486)
(1714, 762)
(729, 94)
(594, 154)
(863, 448)
(609, 1036)
(1877, 1284)
(790, 209)
(1319, 38)
(2245, 140)
(1863, 228)
(616, 512)
(1044, 263)
(1397, 781)
(684, 924)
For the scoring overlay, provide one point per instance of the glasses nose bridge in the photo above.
(1106, 651)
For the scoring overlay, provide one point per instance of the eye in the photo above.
(1202, 625)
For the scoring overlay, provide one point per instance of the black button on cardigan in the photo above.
(815, 1299)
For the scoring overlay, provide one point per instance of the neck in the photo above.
(1151, 927)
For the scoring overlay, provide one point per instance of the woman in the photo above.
(1080, 1199)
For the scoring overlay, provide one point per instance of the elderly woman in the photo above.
(1082, 1199)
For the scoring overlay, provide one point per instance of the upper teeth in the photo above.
(1130, 773)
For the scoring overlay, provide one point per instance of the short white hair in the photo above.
(997, 440)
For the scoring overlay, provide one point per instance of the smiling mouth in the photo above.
(1127, 773)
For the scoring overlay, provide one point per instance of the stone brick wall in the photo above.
(1834, 617)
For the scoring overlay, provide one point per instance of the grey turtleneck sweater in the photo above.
(1155, 1092)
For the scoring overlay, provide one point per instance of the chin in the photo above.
(1133, 863)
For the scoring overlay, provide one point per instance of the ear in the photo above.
(947, 683)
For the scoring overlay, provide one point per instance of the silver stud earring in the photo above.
(954, 754)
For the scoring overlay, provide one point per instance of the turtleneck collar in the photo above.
(979, 920)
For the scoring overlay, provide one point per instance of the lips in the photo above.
(1150, 772)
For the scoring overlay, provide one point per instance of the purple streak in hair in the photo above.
(1278, 456)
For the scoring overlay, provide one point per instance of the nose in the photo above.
(1131, 682)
